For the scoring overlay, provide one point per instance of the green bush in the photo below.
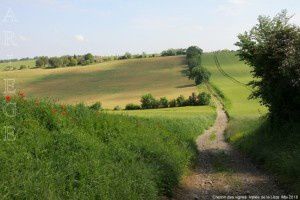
(204, 98)
(181, 101)
(96, 106)
(23, 67)
(149, 102)
(117, 108)
(193, 99)
(199, 74)
(172, 103)
(132, 106)
(163, 102)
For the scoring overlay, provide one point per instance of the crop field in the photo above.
(17, 64)
(113, 83)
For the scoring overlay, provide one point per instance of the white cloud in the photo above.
(80, 38)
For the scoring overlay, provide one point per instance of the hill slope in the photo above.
(112, 83)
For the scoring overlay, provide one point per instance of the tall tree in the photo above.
(272, 49)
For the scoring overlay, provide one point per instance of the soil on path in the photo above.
(221, 170)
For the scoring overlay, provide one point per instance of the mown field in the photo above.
(113, 83)
(277, 150)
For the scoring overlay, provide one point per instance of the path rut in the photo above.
(221, 170)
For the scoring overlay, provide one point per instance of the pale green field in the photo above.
(17, 64)
(239, 106)
(189, 112)
(113, 83)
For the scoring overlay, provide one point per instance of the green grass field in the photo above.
(17, 64)
(113, 83)
(277, 150)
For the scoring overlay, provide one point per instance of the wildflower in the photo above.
(37, 102)
(63, 107)
(7, 98)
(53, 111)
(64, 113)
(21, 94)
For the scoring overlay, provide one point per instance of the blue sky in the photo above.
(106, 27)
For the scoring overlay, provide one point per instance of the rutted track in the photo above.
(221, 170)
(227, 75)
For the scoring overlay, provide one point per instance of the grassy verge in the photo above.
(71, 152)
(277, 149)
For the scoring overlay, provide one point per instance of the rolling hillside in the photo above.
(112, 83)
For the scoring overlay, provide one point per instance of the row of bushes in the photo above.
(69, 61)
(173, 52)
(64, 61)
(149, 102)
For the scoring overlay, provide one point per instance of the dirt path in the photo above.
(221, 170)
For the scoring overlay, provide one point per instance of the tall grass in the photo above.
(72, 152)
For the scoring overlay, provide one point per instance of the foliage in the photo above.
(173, 52)
(199, 74)
(163, 102)
(193, 51)
(172, 103)
(180, 101)
(193, 99)
(149, 102)
(96, 106)
(272, 49)
(55, 62)
(204, 98)
(117, 108)
(42, 61)
(132, 106)
(196, 71)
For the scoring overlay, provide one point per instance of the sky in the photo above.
(112, 27)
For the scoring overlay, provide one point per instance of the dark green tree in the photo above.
(193, 51)
(199, 75)
(272, 49)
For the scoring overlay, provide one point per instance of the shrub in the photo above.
(180, 101)
(199, 75)
(172, 103)
(23, 67)
(192, 99)
(148, 102)
(117, 108)
(132, 106)
(96, 106)
(163, 102)
(204, 98)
